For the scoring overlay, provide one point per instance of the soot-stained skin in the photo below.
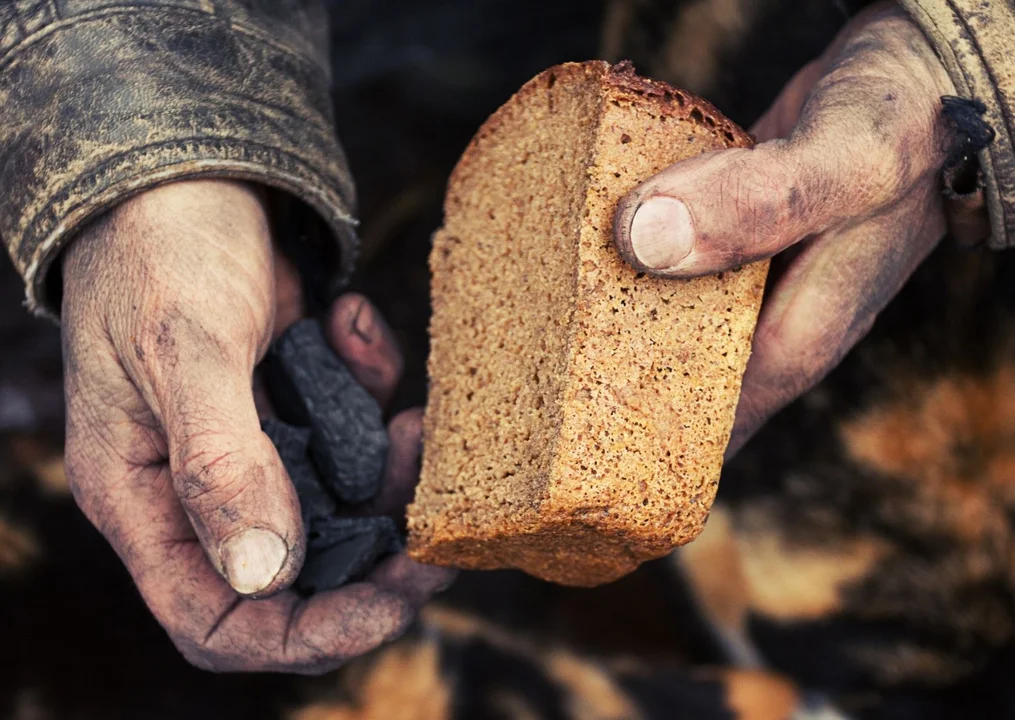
(311, 387)
(333, 446)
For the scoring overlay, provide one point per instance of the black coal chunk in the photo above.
(292, 445)
(310, 386)
(343, 549)
(331, 439)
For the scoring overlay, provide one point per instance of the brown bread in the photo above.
(578, 411)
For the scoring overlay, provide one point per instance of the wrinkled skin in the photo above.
(169, 303)
(172, 298)
(844, 186)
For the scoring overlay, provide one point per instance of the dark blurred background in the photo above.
(412, 81)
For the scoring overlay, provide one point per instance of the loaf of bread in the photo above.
(578, 411)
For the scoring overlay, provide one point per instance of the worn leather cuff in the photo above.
(98, 107)
(976, 42)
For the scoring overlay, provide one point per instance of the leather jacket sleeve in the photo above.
(976, 42)
(101, 99)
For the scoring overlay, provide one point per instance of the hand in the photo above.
(845, 183)
(169, 303)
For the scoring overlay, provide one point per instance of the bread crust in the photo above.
(622, 77)
(578, 522)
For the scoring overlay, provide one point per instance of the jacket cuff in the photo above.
(101, 108)
(975, 42)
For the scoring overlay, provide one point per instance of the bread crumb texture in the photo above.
(578, 411)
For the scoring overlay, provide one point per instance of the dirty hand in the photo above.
(845, 183)
(169, 303)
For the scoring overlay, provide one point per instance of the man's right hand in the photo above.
(845, 186)
(169, 303)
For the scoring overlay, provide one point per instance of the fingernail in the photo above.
(364, 323)
(662, 233)
(253, 559)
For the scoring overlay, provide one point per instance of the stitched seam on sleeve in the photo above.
(252, 161)
(1005, 114)
(106, 12)
(1003, 110)
(926, 18)
(995, 201)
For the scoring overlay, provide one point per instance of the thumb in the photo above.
(228, 475)
(732, 207)
(865, 135)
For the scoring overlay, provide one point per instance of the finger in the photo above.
(826, 302)
(733, 207)
(217, 630)
(294, 635)
(361, 337)
(417, 583)
(401, 469)
(226, 472)
(863, 140)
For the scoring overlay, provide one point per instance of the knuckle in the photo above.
(762, 200)
(302, 654)
(194, 648)
(222, 480)
(192, 642)
(874, 120)
(203, 495)
(316, 662)
(403, 614)
(793, 362)
(388, 617)
(881, 166)
(181, 330)
(206, 472)
(210, 469)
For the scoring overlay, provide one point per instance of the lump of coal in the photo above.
(292, 443)
(333, 444)
(310, 386)
(341, 550)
